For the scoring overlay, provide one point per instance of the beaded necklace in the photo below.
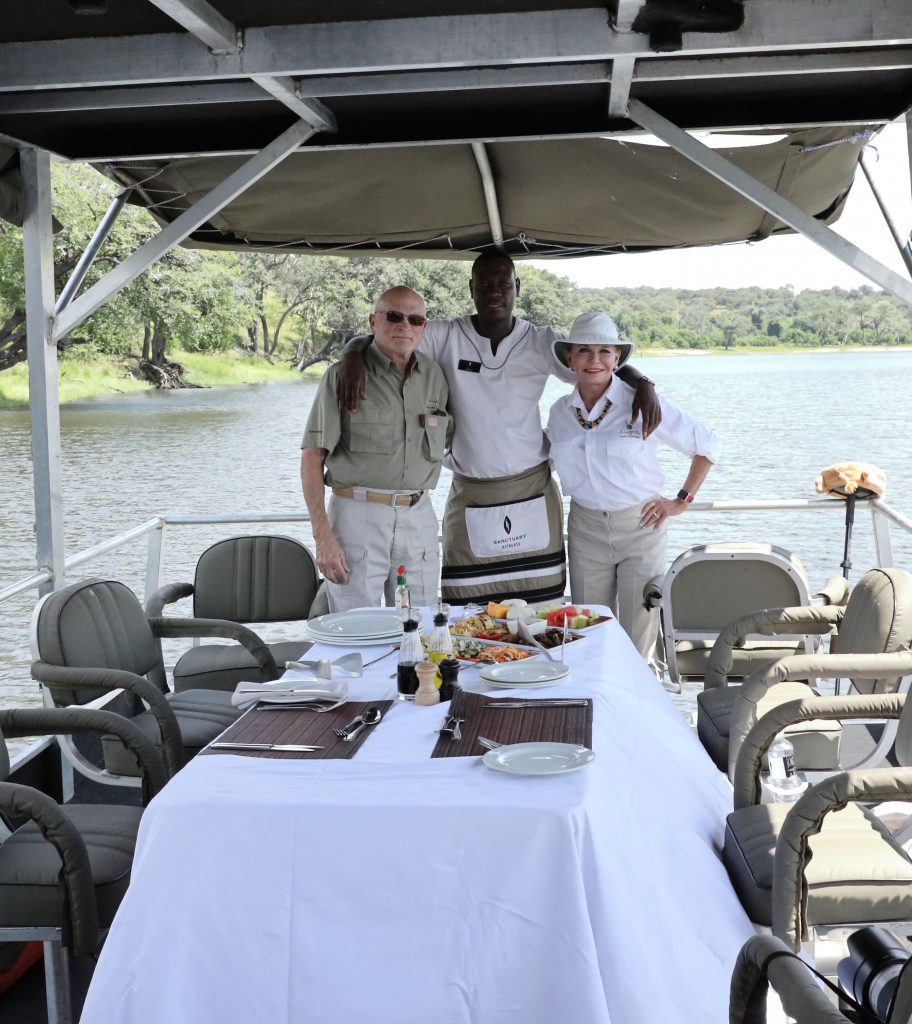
(589, 424)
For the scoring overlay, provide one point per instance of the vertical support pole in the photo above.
(38, 254)
(883, 542)
(154, 560)
(57, 983)
(849, 523)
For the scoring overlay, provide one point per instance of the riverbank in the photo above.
(79, 379)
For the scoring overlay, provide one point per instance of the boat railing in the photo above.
(883, 517)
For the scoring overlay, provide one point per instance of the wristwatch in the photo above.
(645, 380)
(684, 496)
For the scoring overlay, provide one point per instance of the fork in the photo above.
(342, 732)
(489, 744)
(458, 719)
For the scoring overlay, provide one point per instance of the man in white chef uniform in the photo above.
(503, 524)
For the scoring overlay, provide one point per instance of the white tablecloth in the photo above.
(398, 889)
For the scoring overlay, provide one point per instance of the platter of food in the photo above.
(484, 627)
(470, 649)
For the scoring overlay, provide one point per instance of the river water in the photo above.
(780, 418)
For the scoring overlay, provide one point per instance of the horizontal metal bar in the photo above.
(651, 69)
(136, 157)
(458, 41)
(179, 519)
(175, 519)
(113, 542)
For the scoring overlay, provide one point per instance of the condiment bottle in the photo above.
(440, 642)
(402, 590)
(410, 655)
(427, 693)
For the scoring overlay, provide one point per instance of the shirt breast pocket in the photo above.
(370, 430)
(435, 434)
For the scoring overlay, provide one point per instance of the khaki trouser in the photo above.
(377, 538)
(611, 559)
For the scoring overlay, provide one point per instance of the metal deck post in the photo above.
(38, 255)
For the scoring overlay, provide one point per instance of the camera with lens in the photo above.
(871, 973)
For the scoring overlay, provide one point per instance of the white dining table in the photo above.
(393, 888)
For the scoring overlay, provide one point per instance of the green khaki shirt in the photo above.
(396, 439)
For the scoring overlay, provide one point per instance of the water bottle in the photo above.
(783, 783)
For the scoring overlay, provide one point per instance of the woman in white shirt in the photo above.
(617, 522)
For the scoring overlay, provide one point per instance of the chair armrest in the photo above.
(804, 820)
(765, 959)
(167, 594)
(117, 679)
(80, 910)
(748, 764)
(835, 591)
(805, 668)
(652, 592)
(168, 627)
(17, 722)
(800, 620)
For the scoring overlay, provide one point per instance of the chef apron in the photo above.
(504, 538)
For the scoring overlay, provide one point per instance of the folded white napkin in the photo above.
(292, 692)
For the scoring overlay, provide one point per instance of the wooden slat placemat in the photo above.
(298, 725)
(553, 725)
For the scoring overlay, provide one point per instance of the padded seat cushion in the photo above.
(223, 666)
(692, 656)
(30, 891)
(201, 714)
(857, 872)
(816, 743)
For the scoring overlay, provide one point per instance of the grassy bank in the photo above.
(79, 379)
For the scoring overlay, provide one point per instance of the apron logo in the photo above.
(507, 524)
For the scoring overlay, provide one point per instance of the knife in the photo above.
(297, 747)
(569, 703)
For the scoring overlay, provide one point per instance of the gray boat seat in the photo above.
(250, 579)
(93, 639)
(65, 868)
(816, 743)
(877, 620)
(855, 864)
(708, 586)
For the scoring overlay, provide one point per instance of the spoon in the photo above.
(369, 717)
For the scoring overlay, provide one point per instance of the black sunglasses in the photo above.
(395, 317)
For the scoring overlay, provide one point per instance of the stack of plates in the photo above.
(529, 674)
(362, 628)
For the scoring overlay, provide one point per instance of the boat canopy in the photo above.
(465, 125)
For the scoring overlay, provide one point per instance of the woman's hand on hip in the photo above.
(655, 512)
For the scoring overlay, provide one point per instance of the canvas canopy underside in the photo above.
(556, 197)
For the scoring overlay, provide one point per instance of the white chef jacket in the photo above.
(610, 467)
(494, 399)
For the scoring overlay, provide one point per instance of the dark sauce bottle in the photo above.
(410, 653)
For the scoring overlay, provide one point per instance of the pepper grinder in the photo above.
(427, 692)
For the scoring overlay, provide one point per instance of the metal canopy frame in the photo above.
(209, 62)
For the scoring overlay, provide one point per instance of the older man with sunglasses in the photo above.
(380, 462)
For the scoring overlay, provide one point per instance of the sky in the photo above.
(775, 262)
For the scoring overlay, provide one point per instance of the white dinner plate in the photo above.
(373, 641)
(538, 758)
(529, 672)
(363, 624)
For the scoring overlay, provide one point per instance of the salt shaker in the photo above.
(427, 693)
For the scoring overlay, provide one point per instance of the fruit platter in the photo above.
(576, 618)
